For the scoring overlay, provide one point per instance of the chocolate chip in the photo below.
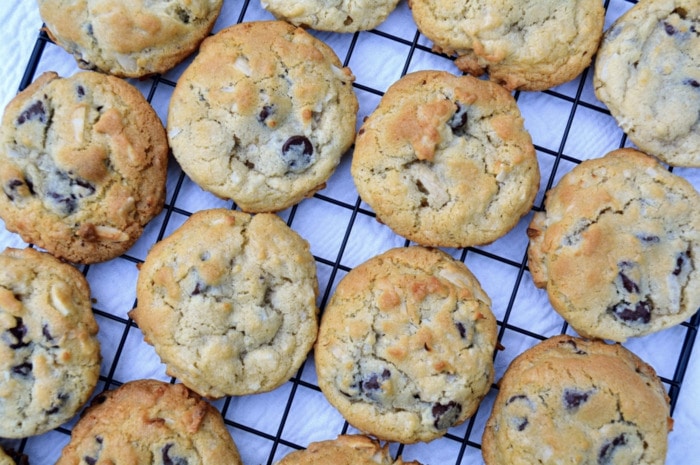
(605, 456)
(167, 460)
(35, 112)
(629, 285)
(670, 30)
(637, 313)
(573, 398)
(61, 401)
(18, 332)
(462, 330)
(458, 122)
(692, 83)
(348, 21)
(296, 153)
(183, 15)
(373, 382)
(650, 239)
(80, 90)
(577, 351)
(516, 397)
(11, 188)
(89, 460)
(680, 11)
(265, 113)
(680, 261)
(197, 289)
(446, 414)
(522, 423)
(23, 369)
(46, 333)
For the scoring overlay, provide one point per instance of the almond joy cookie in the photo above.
(406, 343)
(49, 352)
(344, 450)
(262, 115)
(525, 45)
(129, 38)
(336, 16)
(83, 163)
(150, 422)
(617, 246)
(445, 160)
(229, 302)
(576, 401)
(648, 75)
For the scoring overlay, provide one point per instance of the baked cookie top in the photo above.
(149, 421)
(229, 302)
(129, 38)
(526, 45)
(338, 16)
(83, 163)
(616, 247)
(344, 450)
(49, 352)
(571, 400)
(647, 73)
(405, 345)
(445, 160)
(262, 115)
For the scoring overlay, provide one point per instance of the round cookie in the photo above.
(49, 352)
(129, 38)
(344, 450)
(406, 343)
(525, 45)
(344, 16)
(617, 246)
(229, 302)
(647, 73)
(149, 421)
(83, 163)
(262, 115)
(571, 400)
(445, 160)
(10, 457)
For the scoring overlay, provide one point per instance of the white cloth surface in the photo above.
(310, 417)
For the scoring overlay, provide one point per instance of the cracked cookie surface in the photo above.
(405, 345)
(572, 400)
(648, 75)
(445, 160)
(336, 16)
(150, 422)
(263, 115)
(229, 302)
(525, 45)
(49, 352)
(83, 162)
(129, 38)
(617, 246)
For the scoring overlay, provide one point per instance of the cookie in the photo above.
(616, 247)
(11, 457)
(229, 302)
(571, 400)
(647, 73)
(345, 16)
(83, 163)
(445, 160)
(133, 38)
(405, 345)
(525, 45)
(263, 115)
(49, 352)
(149, 421)
(344, 450)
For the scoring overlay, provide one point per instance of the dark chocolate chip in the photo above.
(650, 239)
(680, 11)
(265, 113)
(670, 30)
(167, 460)
(573, 398)
(516, 397)
(197, 289)
(90, 460)
(522, 423)
(47, 334)
(183, 15)
(680, 261)
(23, 369)
(61, 401)
(80, 90)
(605, 456)
(11, 188)
(462, 330)
(577, 351)
(18, 332)
(35, 112)
(458, 122)
(374, 381)
(348, 21)
(637, 313)
(296, 153)
(692, 83)
(446, 414)
(630, 286)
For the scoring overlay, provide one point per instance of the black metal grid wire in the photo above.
(336, 222)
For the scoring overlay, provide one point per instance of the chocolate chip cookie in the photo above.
(11, 457)
(149, 421)
(229, 302)
(344, 450)
(344, 16)
(648, 75)
(83, 163)
(406, 344)
(49, 352)
(445, 160)
(525, 45)
(617, 246)
(131, 38)
(571, 400)
(263, 115)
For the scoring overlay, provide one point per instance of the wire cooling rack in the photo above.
(567, 125)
